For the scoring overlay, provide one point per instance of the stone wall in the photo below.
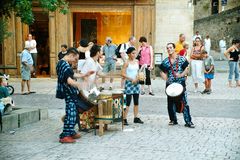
(225, 24)
(203, 8)
(172, 18)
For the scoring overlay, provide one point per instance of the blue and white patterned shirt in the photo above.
(166, 68)
(64, 71)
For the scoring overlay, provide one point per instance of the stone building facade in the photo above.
(206, 8)
(160, 21)
(225, 23)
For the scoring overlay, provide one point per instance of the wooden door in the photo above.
(144, 22)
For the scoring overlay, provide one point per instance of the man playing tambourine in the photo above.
(173, 70)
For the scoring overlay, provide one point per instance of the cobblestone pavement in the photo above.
(216, 136)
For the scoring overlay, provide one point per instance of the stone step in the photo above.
(20, 117)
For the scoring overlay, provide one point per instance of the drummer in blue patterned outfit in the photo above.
(132, 86)
(68, 89)
(173, 70)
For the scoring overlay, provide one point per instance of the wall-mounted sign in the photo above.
(224, 2)
(158, 58)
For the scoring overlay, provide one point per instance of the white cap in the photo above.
(108, 39)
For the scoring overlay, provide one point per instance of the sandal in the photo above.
(31, 92)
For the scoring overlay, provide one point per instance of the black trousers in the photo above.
(148, 77)
(129, 99)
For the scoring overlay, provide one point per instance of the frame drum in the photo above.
(174, 91)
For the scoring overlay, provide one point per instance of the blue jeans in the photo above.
(233, 68)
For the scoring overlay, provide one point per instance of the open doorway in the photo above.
(215, 6)
(96, 26)
(39, 31)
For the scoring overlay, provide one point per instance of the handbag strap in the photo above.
(171, 66)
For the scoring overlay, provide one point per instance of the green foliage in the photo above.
(53, 5)
(23, 9)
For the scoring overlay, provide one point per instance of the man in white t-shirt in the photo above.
(195, 36)
(131, 42)
(92, 64)
(207, 44)
(33, 50)
(223, 47)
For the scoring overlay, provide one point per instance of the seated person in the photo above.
(6, 102)
(3, 90)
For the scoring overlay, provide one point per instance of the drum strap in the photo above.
(172, 66)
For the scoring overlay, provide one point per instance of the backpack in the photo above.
(118, 54)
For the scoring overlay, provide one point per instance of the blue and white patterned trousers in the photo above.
(172, 109)
(70, 118)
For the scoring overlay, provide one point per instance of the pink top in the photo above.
(145, 55)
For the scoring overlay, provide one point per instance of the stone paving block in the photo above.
(27, 116)
(43, 113)
(9, 122)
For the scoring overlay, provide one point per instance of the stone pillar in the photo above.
(62, 29)
(9, 58)
(52, 43)
(70, 29)
(25, 32)
(19, 43)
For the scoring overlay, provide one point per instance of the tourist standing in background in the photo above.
(180, 43)
(195, 36)
(184, 51)
(63, 51)
(146, 58)
(110, 58)
(33, 50)
(207, 44)
(26, 68)
(232, 54)
(223, 47)
(197, 63)
(208, 63)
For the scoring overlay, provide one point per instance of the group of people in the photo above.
(173, 69)
(199, 60)
(88, 69)
(68, 88)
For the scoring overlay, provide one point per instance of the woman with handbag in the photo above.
(145, 57)
(197, 63)
(132, 87)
